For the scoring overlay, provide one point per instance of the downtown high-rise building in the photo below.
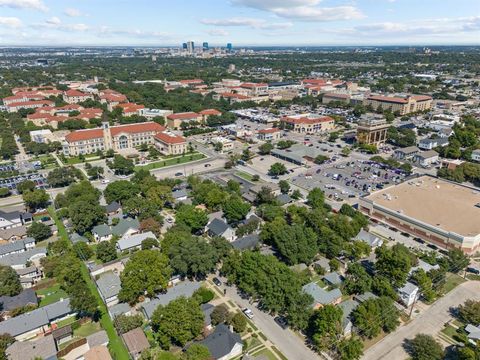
(205, 46)
(190, 47)
(229, 47)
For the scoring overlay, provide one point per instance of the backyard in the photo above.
(51, 294)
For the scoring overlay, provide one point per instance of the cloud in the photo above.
(218, 32)
(72, 12)
(10, 22)
(53, 21)
(246, 22)
(24, 4)
(303, 10)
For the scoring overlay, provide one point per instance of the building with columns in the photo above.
(372, 131)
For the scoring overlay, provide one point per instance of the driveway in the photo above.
(429, 322)
(290, 344)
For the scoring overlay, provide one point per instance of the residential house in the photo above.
(408, 294)
(29, 276)
(218, 227)
(41, 348)
(62, 335)
(406, 153)
(13, 233)
(13, 219)
(99, 352)
(323, 263)
(367, 237)
(473, 333)
(347, 307)
(426, 158)
(322, 297)
(76, 238)
(17, 246)
(424, 266)
(109, 286)
(20, 260)
(361, 298)
(430, 144)
(185, 288)
(133, 242)
(223, 343)
(180, 195)
(9, 303)
(119, 309)
(207, 310)
(136, 342)
(113, 208)
(333, 279)
(284, 199)
(250, 241)
(104, 232)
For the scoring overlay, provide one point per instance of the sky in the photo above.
(241, 22)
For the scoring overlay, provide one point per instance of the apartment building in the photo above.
(14, 107)
(403, 105)
(308, 123)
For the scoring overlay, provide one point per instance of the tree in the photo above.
(326, 326)
(350, 349)
(265, 149)
(235, 209)
(120, 191)
(82, 250)
(85, 215)
(150, 224)
(457, 260)
(239, 322)
(27, 185)
(394, 263)
(35, 199)
(299, 311)
(4, 192)
(374, 315)
(320, 159)
(149, 243)
(424, 347)
(95, 172)
(9, 281)
(277, 169)
(197, 352)
(203, 295)
(39, 231)
(121, 165)
(178, 322)
(106, 251)
(469, 312)
(147, 272)
(424, 282)
(5, 341)
(316, 198)
(63, 176)
(357, 280)
(125, 323)
(284, 186)
(219, 314)
(195, 219)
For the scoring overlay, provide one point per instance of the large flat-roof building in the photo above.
(308, 123)
(438, 211)
(403, 105)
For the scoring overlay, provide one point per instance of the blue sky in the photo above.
(242, 22)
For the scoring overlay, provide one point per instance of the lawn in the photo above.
(266, 353)
(67, 321)
(87, 329)
(244, 175)
(48, 161)
(450, 331)
(169, 162)
(72, 160)
(51, 294)
(253, 343)
(453, 280)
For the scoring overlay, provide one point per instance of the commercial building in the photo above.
(170, 144)
(298, 154)
(153, 113)
(406, 153)
(372, 131)
(122, 137)
(308, 123)
(269, 134)
(426, 158)
(438, 211)
(175, 121)
(402, 105)
(335, 97)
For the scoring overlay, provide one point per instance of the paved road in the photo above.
(429, 322)
(189, 168)
(285, 340)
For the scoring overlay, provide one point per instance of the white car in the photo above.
(105, 181)
(248, 313)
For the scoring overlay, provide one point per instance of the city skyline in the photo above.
(241, 22)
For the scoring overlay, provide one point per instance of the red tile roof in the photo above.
(191, 81)
(170, 139)
(81, 135)
(307, 120)
(29, 103)
(130, 107)
(268, 131)
(76, 93)
(233, 95)
(137, 128)
(253, 85)
(421, 97)
(184, 115)
(390, 99)
(210, 112)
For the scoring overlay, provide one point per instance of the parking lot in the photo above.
(348, 178)
(12, 182)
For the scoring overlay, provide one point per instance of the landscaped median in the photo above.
(115, 343)
(171, 161)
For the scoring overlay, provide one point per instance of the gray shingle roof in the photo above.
(102, 230)
(186, 288)
(26, 297)
(97, 339)
(217, 227)
(20, 259)
(109, 284)
(43, 347)
(124, 225)
(10, 247)
(179, 194)
(76, 238)
(347, 307)
(333, 278)
(112, 207)
(221, 341)
(119, 309)
(132, 241)
(368, 238)
(246, 242)
(207, 310)
(320, 295)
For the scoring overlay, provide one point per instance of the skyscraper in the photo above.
(190, 47)
(229, 47)
(184, 46)
(205, 46)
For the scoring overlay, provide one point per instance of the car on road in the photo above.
(178, 174)
(281, 321)
(217, 281)
(248, 313)
(105, 181)
(208, 165)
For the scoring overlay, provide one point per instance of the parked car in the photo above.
(178, 174)
(281, 321)
(248, 313)
(217, 281)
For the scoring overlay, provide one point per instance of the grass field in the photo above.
(72, 160)
(266, 353)
(52, 294)
(244, 175)
(87, 329)
(169, 162)
(453, 280)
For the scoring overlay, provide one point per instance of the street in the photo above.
(290, 344)
(429, 322)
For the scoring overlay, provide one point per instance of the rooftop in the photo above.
(434, 202)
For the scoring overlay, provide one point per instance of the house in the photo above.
(109, 286)
(20, 260)
(361, 298)
(476, 155)
(223, 344)
(13, 233)
(408, 294)
(424, 266)
(104, 232)
(367, 237)
(250, 241)
(113, 208)
(322, 297)
(132, 242)
(13, 219)
(136, 342)
(284, 199)
(41, 348)
(25, 298)
(98, 353)
(119, 309)
(185, 288)
(29, 276)
(76, 238)
(17, 246)
(430, 144)
(180, 195)
(269, 134)
(207, 310)
(323, 263)
(35, 322)
(426, 158)
(347, 307)
(333, 279)
(100, 338)
(218, 227)
(473, 333)
(406, 153)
